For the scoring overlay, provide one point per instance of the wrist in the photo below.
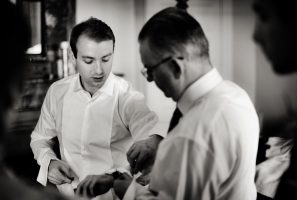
(111, 179)
(53, 161)
(157, 138)
(116, 174)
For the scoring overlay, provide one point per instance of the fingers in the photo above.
(67, 171)
(142, 153)
(56, 177)
(132, 159)
(83, 188)
(139, 158)
(131, 149)
(94, 185)
(60, 172)
(121, 185)
(142, 160)
(55, 181)
(125, 176)
(132, 154)
(92, 188)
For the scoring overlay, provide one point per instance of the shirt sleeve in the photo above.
(140, 120)
(41, 139)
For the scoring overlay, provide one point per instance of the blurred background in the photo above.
(228, 24)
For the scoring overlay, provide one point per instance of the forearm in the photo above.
(42, 148)
(43, 154)
(158, 138)
(144, 129)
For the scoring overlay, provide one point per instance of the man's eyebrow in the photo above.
(87, 57)
(109, 54)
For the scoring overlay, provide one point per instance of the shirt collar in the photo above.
(107, 88)
(198, 89)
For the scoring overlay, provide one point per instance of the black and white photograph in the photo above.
(148, 100)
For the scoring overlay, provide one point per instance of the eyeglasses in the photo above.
(147, 71)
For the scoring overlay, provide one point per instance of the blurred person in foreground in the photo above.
(98, 118)
(14, 41)
(211, 152)
(275, 31)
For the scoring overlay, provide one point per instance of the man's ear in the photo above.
(177, 68)
(71, 56)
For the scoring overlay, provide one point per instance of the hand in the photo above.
(142, 154)
(144, 179)
(94, 185)
(59, 172)
(121, 185)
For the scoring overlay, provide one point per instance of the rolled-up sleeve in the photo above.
(41, 143)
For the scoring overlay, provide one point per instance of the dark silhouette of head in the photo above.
(275, 31)
(14, 42)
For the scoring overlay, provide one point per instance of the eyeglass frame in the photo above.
(147, 72)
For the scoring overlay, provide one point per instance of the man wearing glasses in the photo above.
(211, 152)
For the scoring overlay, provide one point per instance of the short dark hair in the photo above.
(92, 28)
(171, 29)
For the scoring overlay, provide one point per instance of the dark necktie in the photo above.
(175, 118)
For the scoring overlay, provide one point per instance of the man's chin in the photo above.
(98, 83)
(166, 94)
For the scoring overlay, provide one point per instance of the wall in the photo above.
(273, 91)
(244, 54)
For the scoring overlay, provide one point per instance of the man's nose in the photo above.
(98, 67)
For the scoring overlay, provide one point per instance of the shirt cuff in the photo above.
(43, 171)
(121, 170)
(159, 129)
(134, 190)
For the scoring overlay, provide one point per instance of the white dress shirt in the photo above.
(94, 133)
(211, 153)
(270, 171)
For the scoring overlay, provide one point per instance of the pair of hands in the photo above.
(140, 156)
(93, 185)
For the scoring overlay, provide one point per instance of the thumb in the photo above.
(125, 176)
(63, 177)
(72, 174)
(67, 171)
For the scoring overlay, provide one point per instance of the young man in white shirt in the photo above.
(96, 117)
(211, 153)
